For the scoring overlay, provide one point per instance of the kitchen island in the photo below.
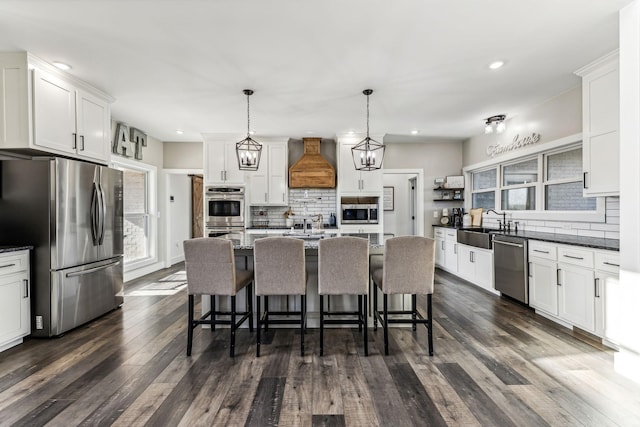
(243, 244)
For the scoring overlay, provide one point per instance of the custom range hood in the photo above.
(312, 170)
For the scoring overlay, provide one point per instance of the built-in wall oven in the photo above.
(224, 210)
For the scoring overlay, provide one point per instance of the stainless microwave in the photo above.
(360, 214)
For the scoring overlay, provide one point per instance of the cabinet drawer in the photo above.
(542, 250)
(574, 256)
(438, 233)
(451, 234)
(608, 261)
(14, 262)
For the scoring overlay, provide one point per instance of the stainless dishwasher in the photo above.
(510, 266)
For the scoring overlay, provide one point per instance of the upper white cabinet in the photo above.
(600, 126)
(220, 161)
(352, 181)
(268, 185)
(48, 111)
(15, 298)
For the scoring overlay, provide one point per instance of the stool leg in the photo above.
(386, 325)
(266, 314)
(302, 316)
(375, 307)
(321, 325)
(365, 327)
(430, 324)
(359, 312)
(259, 321)
(413, 311)
(232, 346)
(213, 312)
(250, 305)
(190, 326)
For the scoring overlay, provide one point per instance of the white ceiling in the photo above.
(182, 64)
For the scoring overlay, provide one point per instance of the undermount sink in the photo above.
(478, 236)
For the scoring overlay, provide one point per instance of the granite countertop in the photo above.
(282, 227)
(13, 248)
(567, 239)
(245, 241)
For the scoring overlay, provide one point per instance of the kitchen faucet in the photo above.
(502, 225)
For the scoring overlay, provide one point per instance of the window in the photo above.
(139, 204)
(484, 189)
(549, 181)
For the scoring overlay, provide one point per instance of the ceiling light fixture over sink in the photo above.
(368, 153)
(248, 150)
(495, 123)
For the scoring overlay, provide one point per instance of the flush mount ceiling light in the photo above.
(179, 132)
(62, 65)
(248, 150)
(495, 123)
(368, 153)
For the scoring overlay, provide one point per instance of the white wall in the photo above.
(398, 221)
(436, 159)
(179, 215)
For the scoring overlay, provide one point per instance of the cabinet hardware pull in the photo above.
(542, 252)
(7, 265)
(265, 197)
(75, 140)
(558, 276)
(612, 264)
(596, 283)
(572, 257)
(584, 180)
(283, 197)
(221, 175)
(455, 248)
(26, 288)
(508, 244)
(529, 268)
(81, 142)
(443, 245)
(470, 256)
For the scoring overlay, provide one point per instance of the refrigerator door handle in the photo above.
(95, 212)
(92, 270)
(103, 214)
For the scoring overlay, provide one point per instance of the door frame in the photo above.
(419, 191)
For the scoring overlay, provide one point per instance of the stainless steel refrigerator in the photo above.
(71, 212)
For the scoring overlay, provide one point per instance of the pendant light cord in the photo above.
(248, 117)
(367, 116)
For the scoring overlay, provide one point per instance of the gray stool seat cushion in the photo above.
(343, 266)
(279, 266)
(408, 266)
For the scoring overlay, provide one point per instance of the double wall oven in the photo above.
(224, 210)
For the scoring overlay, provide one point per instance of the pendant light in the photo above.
(248, 150)
(368, 153)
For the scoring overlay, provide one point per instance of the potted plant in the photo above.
(288, 217)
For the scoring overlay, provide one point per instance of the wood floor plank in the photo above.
(267, 402)
(328, 421)
(327, 399)
(297, 402)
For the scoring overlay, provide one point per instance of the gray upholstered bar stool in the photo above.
(279, 267)
(408, 268)
(343, 269)
(211, 270)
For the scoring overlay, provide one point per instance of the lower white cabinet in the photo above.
(15, 298)
(573, 284)
(451, 250)
(438, 235)
(476, 265)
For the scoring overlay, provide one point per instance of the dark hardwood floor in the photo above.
(496, 363)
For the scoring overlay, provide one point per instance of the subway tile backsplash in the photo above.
(610, 229)
(319, 201)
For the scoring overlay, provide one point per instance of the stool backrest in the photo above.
(409, 263)
(279, 267)
(343, 266)
(210, 266)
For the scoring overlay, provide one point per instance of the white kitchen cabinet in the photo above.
(438, 235)
(69, 120)
(576, 299)
(15, 298)
(543, 285)
(361, 229)
(476, 265)
(352, 181)
(221, 163)
(46, 110)
(451, 250)
(268, 185)
(600, 126)
(607, 297)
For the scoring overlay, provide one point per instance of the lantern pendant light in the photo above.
(368, 153)
(248, 150)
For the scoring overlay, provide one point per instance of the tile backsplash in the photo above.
(610, 229)
(318, 201)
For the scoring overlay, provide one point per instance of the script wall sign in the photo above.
(518, 142)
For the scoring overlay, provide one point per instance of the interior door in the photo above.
(197, 218)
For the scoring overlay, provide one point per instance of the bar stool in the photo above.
(211, 270)
(408, 268)
(343, 269)
(279, 268)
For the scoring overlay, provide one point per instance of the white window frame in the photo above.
(152, 207)
(559, 145)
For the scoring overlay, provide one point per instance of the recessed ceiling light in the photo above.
(179, 132)
(496, 64)
(415, 132)
(351, 132)
(252, 132)
(62, 65)
(309, 132)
